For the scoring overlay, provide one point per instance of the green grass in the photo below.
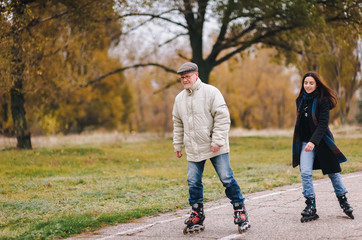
(56, 192)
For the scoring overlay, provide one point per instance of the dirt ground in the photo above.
(117, 137)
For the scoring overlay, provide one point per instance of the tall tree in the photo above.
(20, 16)
(359, 115)
(38, 34)
(238, 24)
(342, 68)
(334, 51)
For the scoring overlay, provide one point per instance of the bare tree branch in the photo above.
(246, 44)
(170, 84)
(227, 42)
(284, 46)
(217, 48)
(138, 26)
(251, 27)
(172, 39)
(229, 55)
(35, 22)
(183, 57)
(98, 79)
(155, 16)
(189, 16)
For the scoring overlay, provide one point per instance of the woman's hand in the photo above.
(309, 147)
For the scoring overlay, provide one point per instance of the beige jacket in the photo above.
(201, 119)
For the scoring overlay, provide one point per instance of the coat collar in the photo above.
(194, 87)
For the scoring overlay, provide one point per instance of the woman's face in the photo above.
(309, 84)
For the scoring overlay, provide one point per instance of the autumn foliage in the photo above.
(63, 69)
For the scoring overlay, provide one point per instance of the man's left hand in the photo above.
(215, 149)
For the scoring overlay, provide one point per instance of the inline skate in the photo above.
(347, 209)
(195, 222)
(310, 212)
(241, 217)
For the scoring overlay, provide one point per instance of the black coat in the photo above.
(324, 158)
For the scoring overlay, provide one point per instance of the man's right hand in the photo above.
(178, 154)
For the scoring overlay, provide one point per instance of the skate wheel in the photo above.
(243, 229)
(311, 218)
(185, 231)
(193, 229)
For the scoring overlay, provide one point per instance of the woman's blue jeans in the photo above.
(222, 167)
(306, 170)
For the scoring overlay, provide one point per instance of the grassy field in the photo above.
(50, 193)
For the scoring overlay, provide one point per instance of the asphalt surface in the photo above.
(273, 214)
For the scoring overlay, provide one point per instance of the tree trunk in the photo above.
(195, 27)
(4, 114)
(141, 123)
(17, 74)
(18, 114)
(167, 114)
(204, 71)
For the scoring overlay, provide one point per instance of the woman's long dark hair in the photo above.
(322, 88)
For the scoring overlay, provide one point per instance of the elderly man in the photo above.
(201, 124)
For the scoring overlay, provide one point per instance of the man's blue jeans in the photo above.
(306, 170)
(222, 167)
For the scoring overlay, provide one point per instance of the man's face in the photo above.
(188, 79)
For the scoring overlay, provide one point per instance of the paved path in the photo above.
(273, 214)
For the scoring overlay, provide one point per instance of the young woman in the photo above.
(313, 143)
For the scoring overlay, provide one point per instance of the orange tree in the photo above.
(47, 46)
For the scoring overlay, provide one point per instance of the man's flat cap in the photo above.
(187, 67)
